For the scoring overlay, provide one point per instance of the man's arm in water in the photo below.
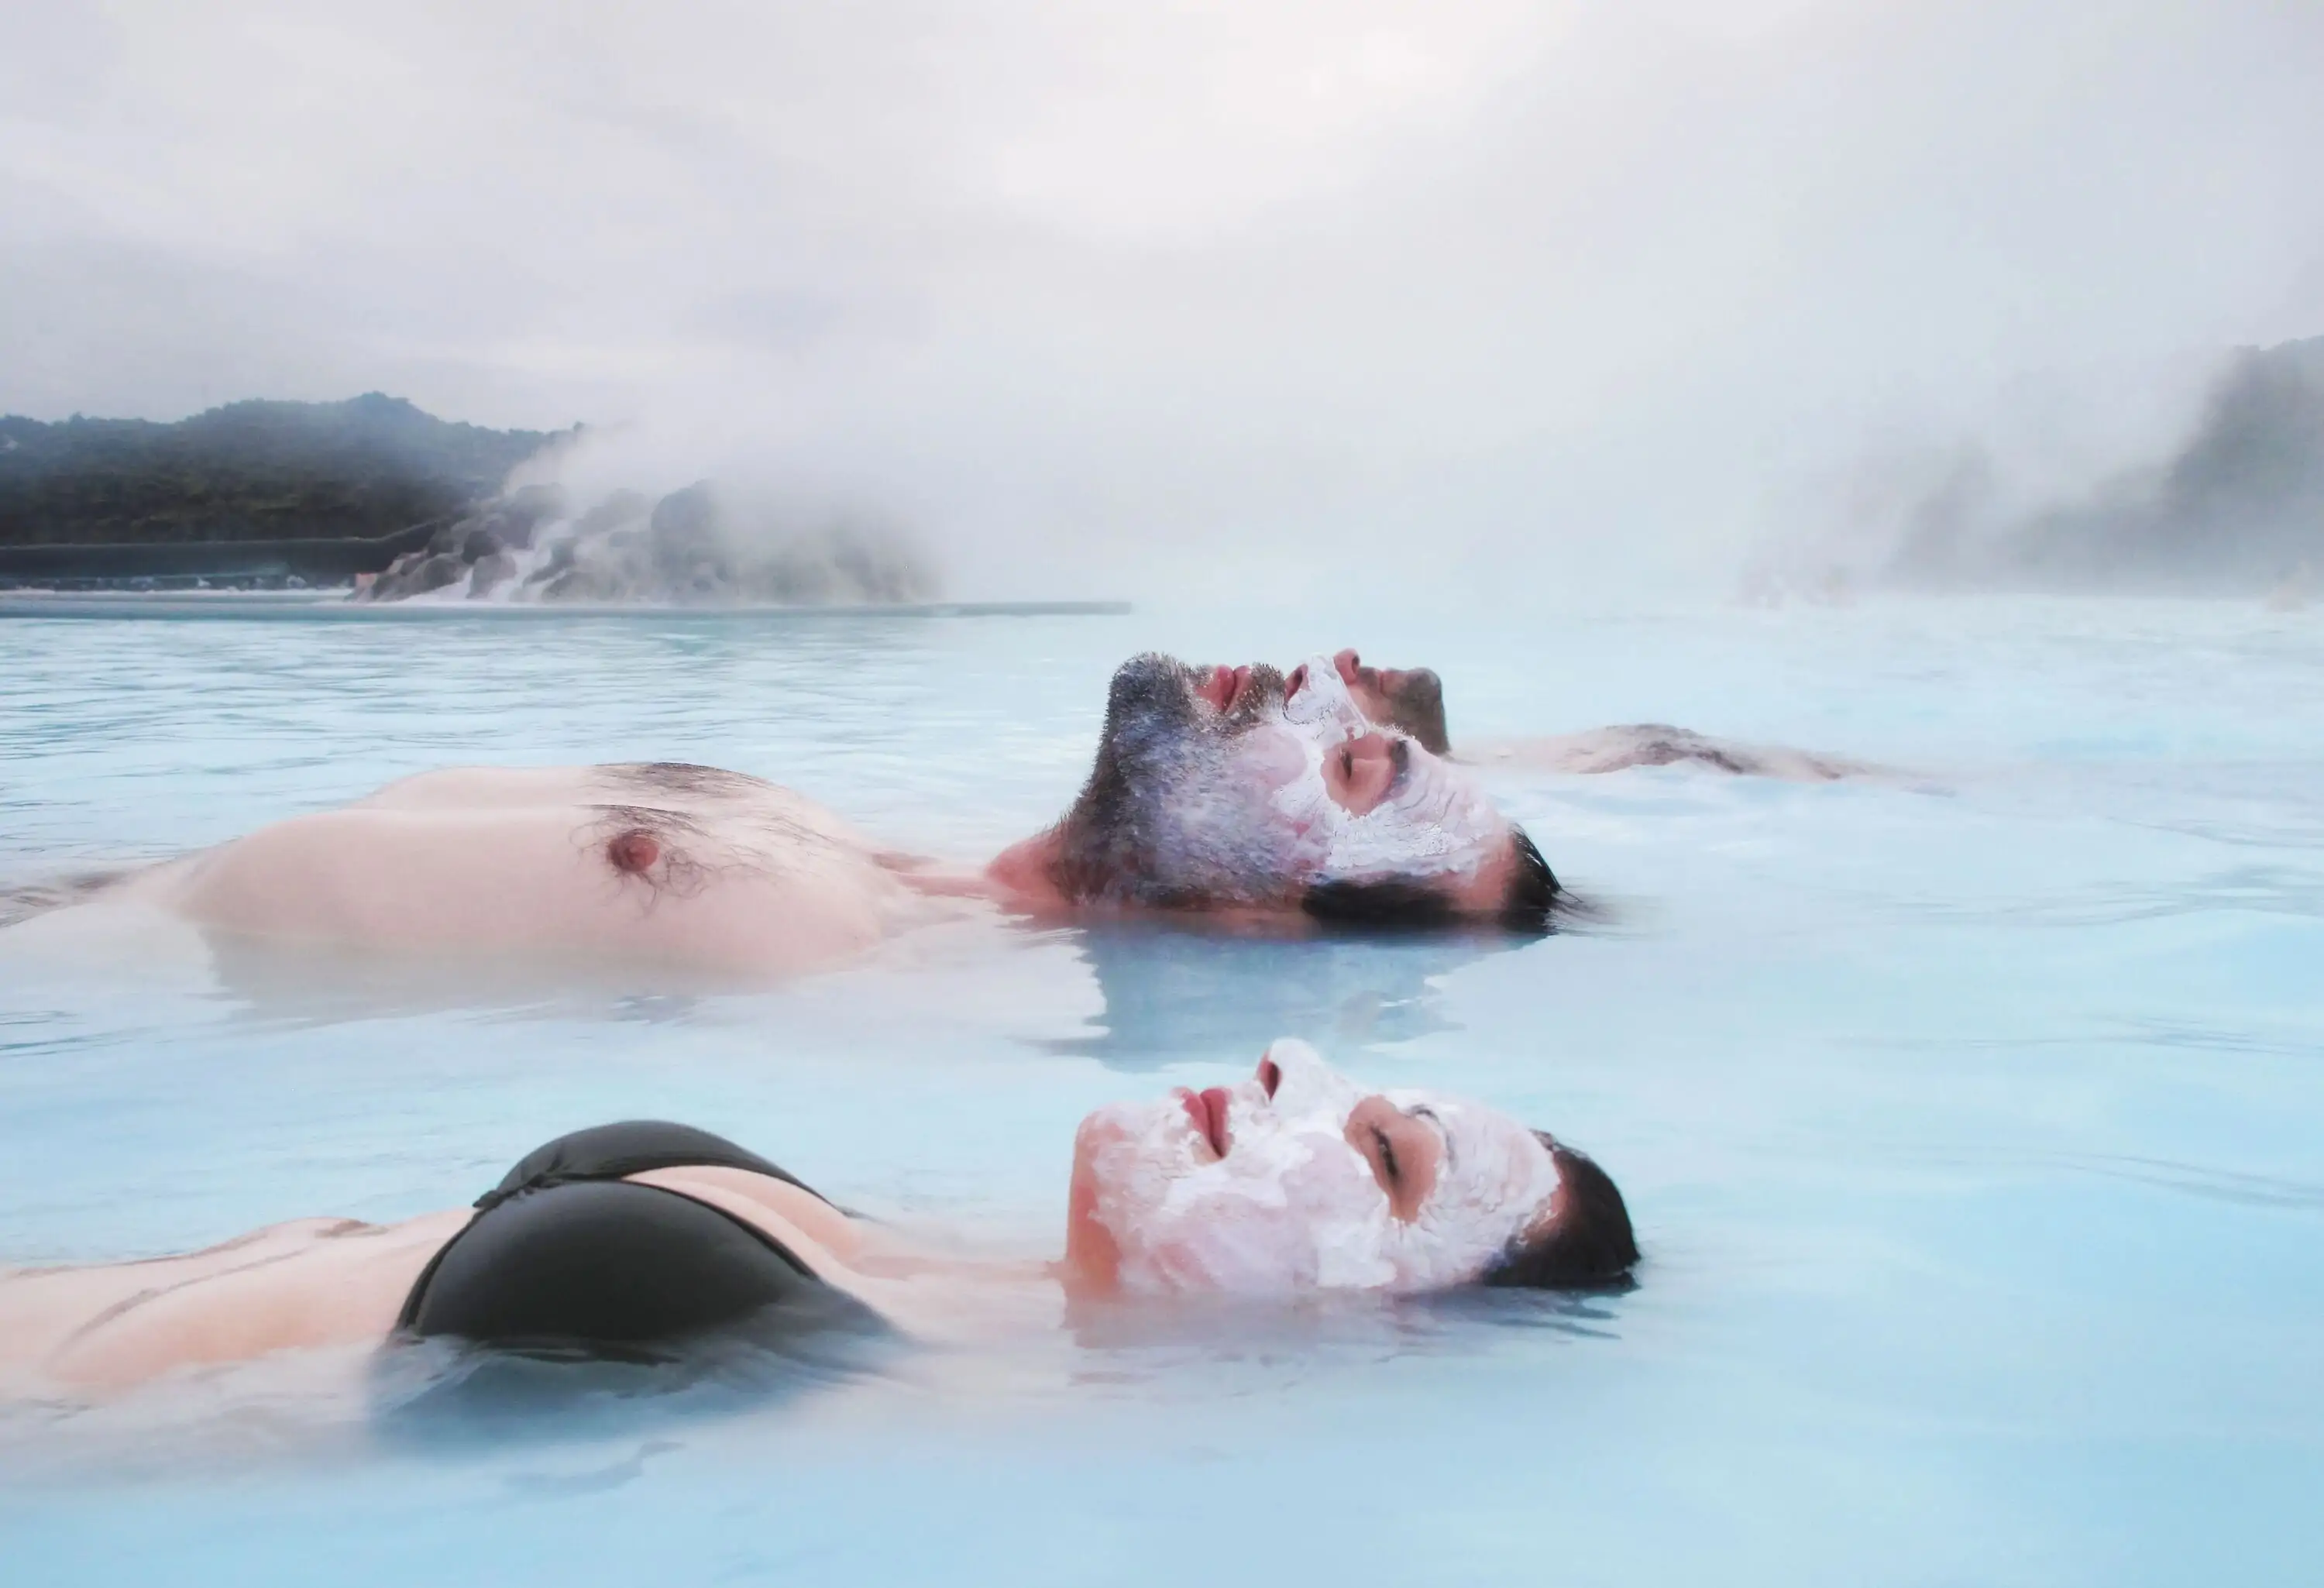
(1636, 745)
(1412, 700)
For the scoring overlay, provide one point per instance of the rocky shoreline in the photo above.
(698, 545)
(377, 497)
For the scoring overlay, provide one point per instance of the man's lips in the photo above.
(1208, 1109)
(1225, 686)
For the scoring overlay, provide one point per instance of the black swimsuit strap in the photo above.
(630, 1147)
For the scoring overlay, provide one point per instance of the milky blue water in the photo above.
(1973, 1122)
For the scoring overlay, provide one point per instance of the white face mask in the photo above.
(1435, 821)
(1292, 1206)
(1186, 808)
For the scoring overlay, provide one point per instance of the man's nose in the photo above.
(1351, 666)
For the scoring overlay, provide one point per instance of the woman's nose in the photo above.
(1270, 1076)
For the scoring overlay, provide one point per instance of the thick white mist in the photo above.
(1481, 302)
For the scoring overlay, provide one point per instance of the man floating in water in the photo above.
(1244, 793)
(1328, 793)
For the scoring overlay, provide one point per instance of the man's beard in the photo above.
(1176, 812)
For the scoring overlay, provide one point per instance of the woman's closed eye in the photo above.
(1385, 1160)
(1403, 1153)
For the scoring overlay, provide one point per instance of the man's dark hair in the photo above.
(1398, 904)
(1588, 1244)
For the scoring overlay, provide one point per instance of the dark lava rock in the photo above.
(692, 547)
(516, 517)
(616, 510)
(689, 554)
(493, 570)
(583, 584)
(395, 580)
(689, 515)
(560, 559)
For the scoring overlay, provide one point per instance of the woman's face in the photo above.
(1295, 1179)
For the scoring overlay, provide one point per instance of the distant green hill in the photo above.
(248, 471)
(2235, 507)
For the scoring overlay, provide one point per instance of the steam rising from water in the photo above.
(703, 544)
(1500, 301)
(2233, 504)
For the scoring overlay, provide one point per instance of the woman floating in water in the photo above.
(639, 1240)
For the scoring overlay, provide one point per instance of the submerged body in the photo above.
(1412, 700)
(319, 1282)
(1651, 744)
(1324, 793)
(651, 863)
(1241, 790)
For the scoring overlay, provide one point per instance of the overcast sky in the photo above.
(1568, 288)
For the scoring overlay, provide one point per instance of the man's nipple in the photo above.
(633, 851)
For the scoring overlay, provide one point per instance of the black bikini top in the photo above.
(632, 1147)
(566, 1256)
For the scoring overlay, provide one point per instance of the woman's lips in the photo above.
(1208, 1109)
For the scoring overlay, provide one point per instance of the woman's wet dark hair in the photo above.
(1393, 905)
(1529, 907)
(1532, 900)
(1589, 1245)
